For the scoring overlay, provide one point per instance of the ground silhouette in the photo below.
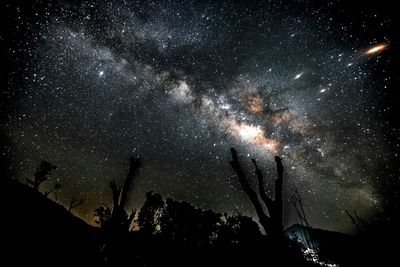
(38, 231)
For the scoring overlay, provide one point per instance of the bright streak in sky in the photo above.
(376, 49)
(298, 76)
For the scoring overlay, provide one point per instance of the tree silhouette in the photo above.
(189, 226)
(41, 175)
(184, 225)
(273, 221)
(150, 214)
(120, 220)
(55, 187)
(74, 204)
(103, 215)
(115, 222)
(237, 230)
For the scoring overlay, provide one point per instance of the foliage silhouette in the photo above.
(41, 175)
(103, 215)
(150, 213)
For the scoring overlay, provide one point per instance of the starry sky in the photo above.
(178, 83)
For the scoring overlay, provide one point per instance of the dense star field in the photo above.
(179, 82)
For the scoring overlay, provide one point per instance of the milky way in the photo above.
(179, 83)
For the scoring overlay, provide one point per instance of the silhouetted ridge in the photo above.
(38, 230)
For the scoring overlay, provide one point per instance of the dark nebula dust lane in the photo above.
(178, 83)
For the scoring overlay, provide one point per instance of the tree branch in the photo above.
(264, 219)
(74, 204)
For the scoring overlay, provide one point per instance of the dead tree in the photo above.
(74, 204)
(119, 218)
(41, 175)
(53, 190)
(272, 222)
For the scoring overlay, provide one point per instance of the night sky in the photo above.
(180, 82)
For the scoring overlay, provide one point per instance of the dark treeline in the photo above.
(181, 234)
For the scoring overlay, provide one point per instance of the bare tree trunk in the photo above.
(133, 167)
(116, 192)
(278, 196)
(273, 221)
(263, 218)
(120, 220)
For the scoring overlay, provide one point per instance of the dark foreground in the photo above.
(39, 232)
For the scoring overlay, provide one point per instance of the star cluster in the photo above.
(180, 82)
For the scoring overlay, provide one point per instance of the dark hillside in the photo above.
(41, 232)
